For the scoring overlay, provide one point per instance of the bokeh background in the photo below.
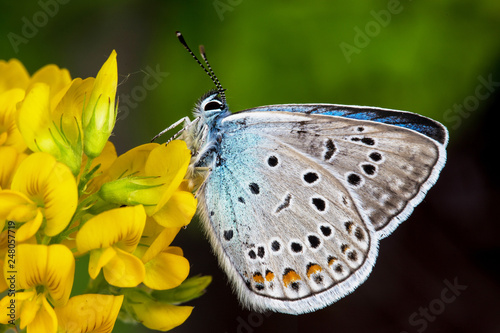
(437, 58)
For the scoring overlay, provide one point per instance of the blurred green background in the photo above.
(437, 58)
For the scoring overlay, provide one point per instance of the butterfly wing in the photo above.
(297, 202)
(410, 163)
(282, 235)
(426, 126)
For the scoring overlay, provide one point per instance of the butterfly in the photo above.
(294, 198)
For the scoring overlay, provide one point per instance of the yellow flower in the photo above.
(89, 313)
(152, 175)
(165, 265)
(53, 124)
(99, 115)
(111, 237)
(44, 273)
(61, 183)
(42, 185)
(178, 210)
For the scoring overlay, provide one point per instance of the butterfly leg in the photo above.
(186, 124)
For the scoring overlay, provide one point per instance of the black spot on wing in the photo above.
(330, 149)
(311, 177)
(254, 188)
(272, 161)
(285, 203)
(228, 234)
(375, 156)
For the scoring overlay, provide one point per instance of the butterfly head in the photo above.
(211, 105)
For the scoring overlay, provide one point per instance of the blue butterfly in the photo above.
(295, 197)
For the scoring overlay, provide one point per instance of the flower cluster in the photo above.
(67, 199)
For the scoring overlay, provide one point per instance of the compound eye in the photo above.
(212, 105)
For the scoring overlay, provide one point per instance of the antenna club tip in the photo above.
(178, 33)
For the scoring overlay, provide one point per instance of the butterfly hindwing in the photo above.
(287, 231)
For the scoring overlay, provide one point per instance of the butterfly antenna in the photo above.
(213, 76)
(209, 72)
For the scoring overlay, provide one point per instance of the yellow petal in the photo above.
(45, 320)
(121, 226)
(160, 316)
(89, 313)
(43, 130)
(69, 107)
(151, 231)
(13, 75)
(50, 266)
(3, 285)
(8, 303)
(166, 271)
(15, 206)
(30, 308)
(160, 243)
(10, 160)
(171, 163)
(99, 114)
(34, 120)
(124, 270)
(29, 229)
(104, 87)
(9, 133)
(175, 250)
(104, 161)
(131, 163)
(53, 76)
(72, 96)
(60, 273)
(99, 258)
(178, 211)
(13, 305)
(51, 185)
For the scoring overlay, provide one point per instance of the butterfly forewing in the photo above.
(386, 168)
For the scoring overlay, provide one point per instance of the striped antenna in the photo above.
(209, 71)
(213, 76)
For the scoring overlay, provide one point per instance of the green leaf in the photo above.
(190, 289)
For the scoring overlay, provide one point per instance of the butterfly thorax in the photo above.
(203, 136)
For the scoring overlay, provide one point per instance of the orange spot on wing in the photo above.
(269, 275)
(290, 276)
(257, 277)
(312, 269)
(331, 260)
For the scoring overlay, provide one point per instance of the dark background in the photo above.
(429, 57)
